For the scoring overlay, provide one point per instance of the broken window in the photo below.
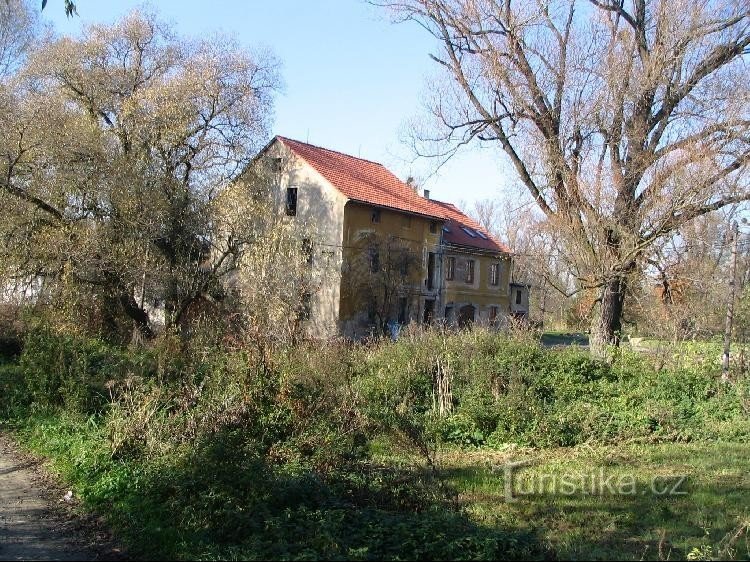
(291, 201)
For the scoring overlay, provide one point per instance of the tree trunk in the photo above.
(607, 321)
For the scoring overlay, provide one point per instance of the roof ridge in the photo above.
(283, 138)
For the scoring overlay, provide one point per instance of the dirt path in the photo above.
(35, 522)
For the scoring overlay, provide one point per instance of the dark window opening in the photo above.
(433, 227)
(305, 306)
(307, 250)
(403, 263)
(431, 270)
(518, 296)
(291, 201)
(429, 311)
(493, 315)
(375, 216)
(466, 315)
(374, 260)
(448, 313)
(403, 312)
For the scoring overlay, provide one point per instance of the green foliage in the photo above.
(506, 390)
(74, 373)
(309, 451)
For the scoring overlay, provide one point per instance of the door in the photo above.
(466, 315)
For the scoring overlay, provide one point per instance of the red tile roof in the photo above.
(362, 180)
(369, 182)
(456, 221)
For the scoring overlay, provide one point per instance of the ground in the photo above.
(36, 523)
(562, 339)
(666, 501)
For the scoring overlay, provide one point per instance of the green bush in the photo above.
(74, 373)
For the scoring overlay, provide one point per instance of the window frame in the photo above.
(493, 313)
(470, 272)
(450, 268)
(307, 250)
(495, 274)
(292, 195)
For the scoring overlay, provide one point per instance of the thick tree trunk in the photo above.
(137, 314)
(607, 321)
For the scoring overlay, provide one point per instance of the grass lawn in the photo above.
(554, 339)
(709, 519)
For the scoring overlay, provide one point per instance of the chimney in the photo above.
(426, 193)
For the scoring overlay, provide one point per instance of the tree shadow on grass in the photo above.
(660, 518)
(222, 499)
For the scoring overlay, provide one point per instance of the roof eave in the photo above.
(396, 209)
(476, 249)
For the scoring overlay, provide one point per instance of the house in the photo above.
(382, 252)
(519, 300)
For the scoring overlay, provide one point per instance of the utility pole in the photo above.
(730, 303)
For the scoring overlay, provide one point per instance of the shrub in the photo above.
(74, 373)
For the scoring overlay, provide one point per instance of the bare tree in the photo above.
(624, 119)
(378, 273)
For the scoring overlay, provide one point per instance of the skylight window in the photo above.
(469, 231)
(481, 235)
(446, 230)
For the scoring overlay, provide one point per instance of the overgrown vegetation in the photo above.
(333, 452)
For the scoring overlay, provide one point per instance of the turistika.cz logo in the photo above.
(520, 483)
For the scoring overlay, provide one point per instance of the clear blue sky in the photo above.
(352, 78)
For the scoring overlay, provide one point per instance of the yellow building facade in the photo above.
(400, 257)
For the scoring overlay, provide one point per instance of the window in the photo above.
(492, 315)
(305, 306)
(374, 260)
(291, 201)
(403, 262)
(446, 230)
(450, 269)
(495, 274)
(469, 231)
(482, 235)
(431, 270)
(448, 313)
(429, 311)
(403, 310)
(519, 298)
(469, 277)
(307, 250)
(433, 227)
(275, 164)
(375, 216)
